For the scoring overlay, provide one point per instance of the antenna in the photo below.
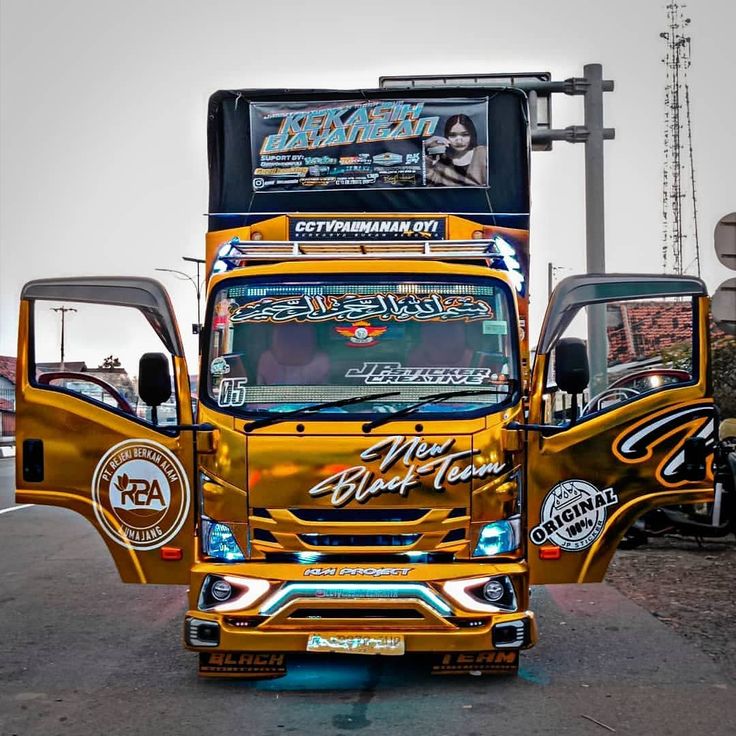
(680, 244)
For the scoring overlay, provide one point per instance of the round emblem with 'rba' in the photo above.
(141, 494)
(573, 515)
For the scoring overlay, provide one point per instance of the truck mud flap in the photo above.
(466, 663)
(245, 665)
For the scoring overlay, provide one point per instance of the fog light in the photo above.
(496, 538)
(493, 591)
(509, 635)
(470, 593)
(201, 633)
(221, 590)
(242, 592)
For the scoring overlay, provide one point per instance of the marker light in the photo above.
(256, 235)
(511, 262)
(496, 538)
(218, 542)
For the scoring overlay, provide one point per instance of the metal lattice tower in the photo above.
(680, 246)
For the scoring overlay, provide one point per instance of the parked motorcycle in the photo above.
(701, 521)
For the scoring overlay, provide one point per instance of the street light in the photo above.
(197, 287)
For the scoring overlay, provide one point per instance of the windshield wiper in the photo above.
(430, 399)
(274, 418)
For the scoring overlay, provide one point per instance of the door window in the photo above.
(648, 345)
(92, 351)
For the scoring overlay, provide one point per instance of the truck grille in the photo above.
(359, 531)
(359, 540)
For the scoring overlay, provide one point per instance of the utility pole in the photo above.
(539, 89)
(197, 283)
(62, 311)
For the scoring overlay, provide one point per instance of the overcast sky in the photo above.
(103, 137)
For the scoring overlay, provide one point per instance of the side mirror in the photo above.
(572, 373)
(154, 379)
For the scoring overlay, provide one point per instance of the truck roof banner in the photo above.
(448, 150)
(369, 144)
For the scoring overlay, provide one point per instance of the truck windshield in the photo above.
(278, 346)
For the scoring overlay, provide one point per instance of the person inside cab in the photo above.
(293, 358)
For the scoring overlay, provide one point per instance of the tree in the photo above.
(723, 355)
(110, 363)
(723, 368)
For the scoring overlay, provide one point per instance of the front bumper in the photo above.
(418, 603)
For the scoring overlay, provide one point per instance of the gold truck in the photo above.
(374, 466)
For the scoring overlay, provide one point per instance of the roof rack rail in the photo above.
(236, 250)
(495, 252)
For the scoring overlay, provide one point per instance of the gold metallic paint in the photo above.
(76, 434)
(585, 451)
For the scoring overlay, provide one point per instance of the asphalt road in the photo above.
(81, 653)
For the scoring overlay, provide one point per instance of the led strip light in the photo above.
(348, 591)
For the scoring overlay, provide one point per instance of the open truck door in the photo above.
(644, 435)
(108, 441)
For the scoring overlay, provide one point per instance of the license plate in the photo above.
(389, 644)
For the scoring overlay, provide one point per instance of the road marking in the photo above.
(15, 508)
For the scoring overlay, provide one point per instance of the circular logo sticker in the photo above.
(573, 515)
(141, 494)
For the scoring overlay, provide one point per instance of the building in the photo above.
(7, 396)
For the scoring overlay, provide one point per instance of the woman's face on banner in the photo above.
(459, 137)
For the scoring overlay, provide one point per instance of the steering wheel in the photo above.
(623, 388)
(618, 393)
(662, 376)
(45, 379)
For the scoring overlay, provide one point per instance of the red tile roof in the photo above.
(640, 330)
(7, 367)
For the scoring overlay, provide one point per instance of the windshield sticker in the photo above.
(495, 327)
(396, 374)
(356, 308)
(141, 494)
(222, 313)
(361, 334)
(232, 392)
(573, 515)
(415, 459)
(219, 367)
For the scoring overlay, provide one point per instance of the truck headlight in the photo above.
(497, 538)
(218, 541)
